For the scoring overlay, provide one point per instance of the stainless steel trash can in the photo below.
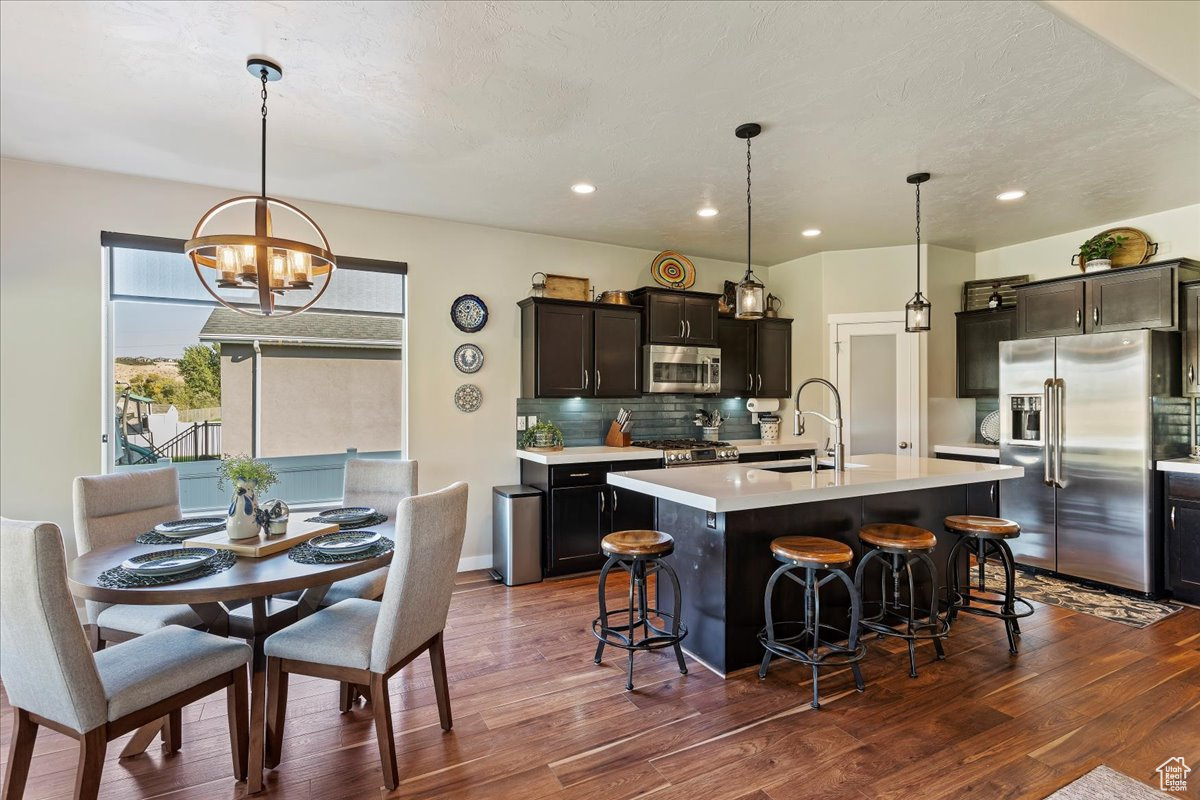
(516, 534)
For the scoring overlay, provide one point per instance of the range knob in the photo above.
(671, 457)
(686, 456)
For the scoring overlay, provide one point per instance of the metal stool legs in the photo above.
(895, 611)
(638, 614)
(806, 646)
(964, 598)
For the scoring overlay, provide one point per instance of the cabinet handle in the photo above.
(614, 492)
(1095, 315)
(992, 493)
(1172, 517)
(597, 380)
(601, 501)
(759, 383)
(580, 474)
(749, 382)
(688, 335)
(585, 378)
(680, 329)
(1191, 373)
(1078, 317)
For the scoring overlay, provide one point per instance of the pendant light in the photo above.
(750, 300)
(917, 312)
(261, 263)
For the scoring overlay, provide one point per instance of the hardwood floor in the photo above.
(535, 718)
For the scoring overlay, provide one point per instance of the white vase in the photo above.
(1097, 264)
(242, 521)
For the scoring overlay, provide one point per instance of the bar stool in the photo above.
(897, 547)
(986, 535)
(641, 554)
(812, 554)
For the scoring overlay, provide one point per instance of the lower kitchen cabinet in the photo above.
(581, 509)
(1182, 536)
(983, 499)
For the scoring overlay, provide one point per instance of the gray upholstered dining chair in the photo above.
(112, 510)
(380, 484)
(362, 642)
(54, 680)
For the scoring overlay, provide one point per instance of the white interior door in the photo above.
(876, 368)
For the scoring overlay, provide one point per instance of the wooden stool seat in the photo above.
(637, 543)
(983, 527)
(806, 550)
(887, 536)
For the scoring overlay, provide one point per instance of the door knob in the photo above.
(904, 445)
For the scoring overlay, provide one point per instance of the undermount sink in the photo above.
(803, 465)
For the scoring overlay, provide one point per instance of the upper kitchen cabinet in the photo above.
(979, 336)
(675, 317)
(756, 357)
(1189, 317)
(1118, 300)
(575, 349)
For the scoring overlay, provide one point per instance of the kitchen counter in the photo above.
(598, 453)
(969, 449)
(740, 487)
(774, 446)
(1188, 465)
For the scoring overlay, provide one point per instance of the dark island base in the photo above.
(723, 570)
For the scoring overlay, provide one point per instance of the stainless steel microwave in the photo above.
(681, 370)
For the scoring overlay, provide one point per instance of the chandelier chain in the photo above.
(263, 77)
(749, 238)
(918, 238)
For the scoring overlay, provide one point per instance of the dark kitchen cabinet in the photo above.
(675, 317)
(581, 509)
(573, 349)
(1123, 301)
(1054, 309)
(756, 357)
(979, 334)
(983, 499)
(1182, 536)
(1190, 317)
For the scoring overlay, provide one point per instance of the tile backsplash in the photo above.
(585, 420)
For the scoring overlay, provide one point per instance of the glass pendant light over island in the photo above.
(750, 292)
(917, 311)
(261, 262)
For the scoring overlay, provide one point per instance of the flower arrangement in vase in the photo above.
(249, 477)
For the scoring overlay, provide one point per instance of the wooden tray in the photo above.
(1135, 250)
(566, 287)
(298, 531)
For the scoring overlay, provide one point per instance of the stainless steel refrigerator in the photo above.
(1087, 416)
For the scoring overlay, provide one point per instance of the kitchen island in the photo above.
(723, 518)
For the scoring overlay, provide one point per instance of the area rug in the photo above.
(1103, 783)
(1098, 602)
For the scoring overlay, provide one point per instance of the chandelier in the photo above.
(917, 311)
(750, 290)
(270, 266)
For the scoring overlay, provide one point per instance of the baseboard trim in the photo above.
(474, 562)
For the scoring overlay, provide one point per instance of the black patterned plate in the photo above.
(468, 358)
(185, 528)
(170, 562)
(351, 542)
(347, 515)
(468, 313)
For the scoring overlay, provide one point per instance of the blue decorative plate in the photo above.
(469, 313)
(468, 358)
(468, 398)
(354, 542)
(170, 562)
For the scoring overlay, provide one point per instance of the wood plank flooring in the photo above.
(535, 718)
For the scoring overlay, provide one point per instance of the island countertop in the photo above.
(740, 487)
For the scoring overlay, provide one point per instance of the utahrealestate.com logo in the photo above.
(1172, 775)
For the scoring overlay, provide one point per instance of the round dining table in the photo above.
(243, 601)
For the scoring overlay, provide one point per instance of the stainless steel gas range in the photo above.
(691, 453)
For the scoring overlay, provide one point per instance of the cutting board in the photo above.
(298, 531)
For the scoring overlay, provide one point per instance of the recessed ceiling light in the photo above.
(583, 188)
(811, 232)
(707, 211)
(1015, 194)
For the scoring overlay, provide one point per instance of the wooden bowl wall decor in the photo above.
(1136, 249)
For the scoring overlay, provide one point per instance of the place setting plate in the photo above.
(187, 528)
(346, 516)
(170, 562)
(347, 542)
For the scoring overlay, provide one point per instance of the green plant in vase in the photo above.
(249, 477)
(1097, 252)
(543, 434)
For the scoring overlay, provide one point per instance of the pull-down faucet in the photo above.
(839, 449)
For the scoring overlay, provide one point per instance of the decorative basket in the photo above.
(769, 431)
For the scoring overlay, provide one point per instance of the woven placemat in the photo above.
(121, 578)
(305, 553)
(378, 519)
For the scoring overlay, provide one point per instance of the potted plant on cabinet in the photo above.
(542, 436)
(1096, 253)
(249, 477)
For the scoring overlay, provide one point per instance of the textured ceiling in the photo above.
(487, 112)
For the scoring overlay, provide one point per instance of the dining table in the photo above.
(244, 601)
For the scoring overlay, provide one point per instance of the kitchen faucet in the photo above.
(839, 449)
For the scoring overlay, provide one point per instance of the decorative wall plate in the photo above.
(468, 398)
(468, 358)
(468, 313)
(989, 429)
(673, 270)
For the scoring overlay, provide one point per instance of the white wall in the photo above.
(51, 304)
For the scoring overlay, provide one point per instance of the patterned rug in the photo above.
(1098, 602)
(1104, 783)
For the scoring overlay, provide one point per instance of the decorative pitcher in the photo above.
(242, 522)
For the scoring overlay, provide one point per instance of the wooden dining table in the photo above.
(243, 601)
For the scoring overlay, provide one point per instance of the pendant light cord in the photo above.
(263, 76)
(749, 237)
(918, 238)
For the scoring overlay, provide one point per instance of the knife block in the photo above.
(615, 438)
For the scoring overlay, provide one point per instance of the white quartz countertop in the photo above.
(970, 449)
(739, 487)
(592, 454)
(1180, 465)
(774, 446)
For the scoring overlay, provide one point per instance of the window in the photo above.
(193, 380)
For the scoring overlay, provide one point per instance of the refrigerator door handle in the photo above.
(1048, 431)
(1060, 393)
